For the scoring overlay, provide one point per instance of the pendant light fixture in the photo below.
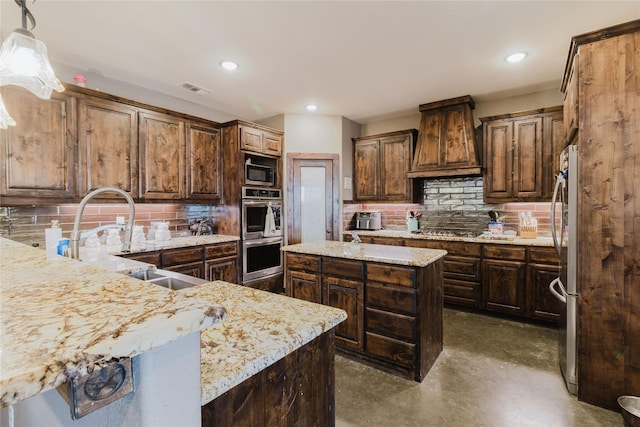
(24, 60)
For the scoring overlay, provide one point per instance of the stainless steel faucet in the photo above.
(76, 235)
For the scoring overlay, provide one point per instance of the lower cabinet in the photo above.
(212, 262)
(394, 312)
(501, 278)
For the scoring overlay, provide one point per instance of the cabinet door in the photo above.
(222, 269)
(271, 144)
(162, 153)
(304, 286)
(552, 146)
(542, 304)
(367, 170)
(527, 158)
(570, 104)
(250, 139)
(498, 143)
(395, 159)
(346, 295)
(108, 141)
(38, 154)
(195, 269)
(504, 286)
(203, 150)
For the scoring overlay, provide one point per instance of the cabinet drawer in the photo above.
(396, 351)
(461, 289)
(337, 267)
(506, 252)
(543, 255)
(394, 275)
(181, 256)
(391, 324)
(302, 262)
(461, 268)
(392, 241)
(150, 258)
(221, 250)
(392, 299)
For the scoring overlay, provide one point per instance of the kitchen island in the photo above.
(393, 297)
(62, 317)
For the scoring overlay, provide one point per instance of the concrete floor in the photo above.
(492, 372)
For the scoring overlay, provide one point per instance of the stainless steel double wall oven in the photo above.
(261, 240)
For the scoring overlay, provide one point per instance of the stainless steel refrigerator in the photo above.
(565, 201)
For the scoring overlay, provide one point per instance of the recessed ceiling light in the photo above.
(516, 57)
(312, 107)
(228, 65)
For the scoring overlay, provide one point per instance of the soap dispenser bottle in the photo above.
(51, 237)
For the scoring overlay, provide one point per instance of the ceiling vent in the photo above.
(195, 89)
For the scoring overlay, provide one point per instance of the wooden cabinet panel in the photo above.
(542, 304)
(395, 351)
(304, 286)
(505, 252)
(391, 324)
(498, 145)
(571, 101)
(543, 255)
(401, 276)
(181, 256)
(222, 269)
(348, 296)
(38, 158)
(204, 175)
(553, 145)
(221, 250)
(366, 170)
(399, 300)
(154, 258)
(343, 268)
(162, 156)
(302, 262)
(381, 163)
(272, 143)
(504, 286)
(527, 159)
(260, 141)
(195, 269)
(108, 145)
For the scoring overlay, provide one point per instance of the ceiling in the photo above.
(364, 60)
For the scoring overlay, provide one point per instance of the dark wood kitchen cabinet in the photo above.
(253, 138)
(38, 154)
(504, 278)
(162, 156)
(221, 262)
(521, 155)
(108, 145)
(446, 144)
(333, 282)
(203, 162)
(543, 266)
(381, 163)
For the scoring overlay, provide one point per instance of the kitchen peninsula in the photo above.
(393, 297)
(61, 317)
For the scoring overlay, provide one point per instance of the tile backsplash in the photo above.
(451, 203)
(26, 224)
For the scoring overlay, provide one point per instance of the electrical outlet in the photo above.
(120, 220)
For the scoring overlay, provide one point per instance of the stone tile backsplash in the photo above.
(26, 224)
(451, 203)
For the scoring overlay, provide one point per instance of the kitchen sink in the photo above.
(168, 279)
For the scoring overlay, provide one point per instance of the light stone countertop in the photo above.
(539, 241)
(179, 242)
(57, 317)
(260, 329)
(401, 255)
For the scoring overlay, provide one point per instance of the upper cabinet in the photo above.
(38, 154)
(150, 152)
(521, 155)
(446, 142)
(108, 146)
(260, 140)
(381, 163)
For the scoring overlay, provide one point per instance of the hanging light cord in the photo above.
(26, 13)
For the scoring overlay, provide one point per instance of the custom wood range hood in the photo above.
(446, 143)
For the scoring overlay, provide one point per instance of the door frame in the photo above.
(333, 200)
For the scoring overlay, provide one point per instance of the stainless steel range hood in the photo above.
(446, 143)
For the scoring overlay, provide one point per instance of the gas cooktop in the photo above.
(445, 232)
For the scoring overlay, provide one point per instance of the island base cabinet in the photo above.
(298, 390)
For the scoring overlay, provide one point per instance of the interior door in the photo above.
(313, 197)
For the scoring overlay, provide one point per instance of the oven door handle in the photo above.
(262, 242)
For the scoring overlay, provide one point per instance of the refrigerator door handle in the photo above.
(554, 201)
(562, 295)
